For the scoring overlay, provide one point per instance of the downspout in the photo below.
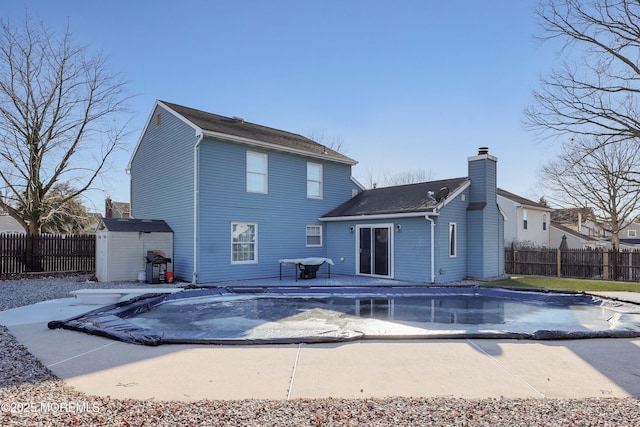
(196, 205)
(433, 244)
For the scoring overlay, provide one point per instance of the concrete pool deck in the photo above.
(465, 368)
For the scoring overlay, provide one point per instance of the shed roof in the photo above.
(400, 199)
(136, 225)
(240, 128)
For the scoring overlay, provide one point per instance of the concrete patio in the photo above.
(465, 368)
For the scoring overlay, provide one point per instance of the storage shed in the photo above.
(122, 245)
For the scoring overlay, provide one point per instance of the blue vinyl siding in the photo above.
(413, 250)
(162, 187)
(340, 243)
(486, 236)
(447, 268)
(412, 245)
(282, 214)
(162, 183)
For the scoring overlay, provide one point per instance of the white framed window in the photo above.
(631, 233)
(314, 235)
(453, 240)
(525, 224)
(257, 177)
(314, 180)
(244, 243)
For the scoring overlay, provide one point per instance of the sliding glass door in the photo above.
(375, 250)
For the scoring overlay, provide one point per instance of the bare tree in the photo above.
(58, 119)
(590, 174)
(400, 178)
(335, 143)
(407, 177)
(64, 215)
(596, 93)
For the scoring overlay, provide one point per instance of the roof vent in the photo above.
(237, 119)
(483, 150)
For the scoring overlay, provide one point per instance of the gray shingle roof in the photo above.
(139, 225)
(521, 200)
(238, 127)
(572, 232)
(410, 198)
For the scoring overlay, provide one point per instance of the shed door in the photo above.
(374, 246)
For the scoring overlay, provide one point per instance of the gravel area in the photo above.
(30, 395)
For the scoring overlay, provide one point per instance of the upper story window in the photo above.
(314, 235)
(524, 219)
(244, 243)
(314, 180)
(256, 172)
(631, 233)
(544, 222)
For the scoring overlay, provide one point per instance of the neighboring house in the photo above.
(9, 225)
(630, 235)
(116, 209)
(581, 220)
(94, 221)
(527, 222)
(239, 197)
(435, 232)
(573, 239)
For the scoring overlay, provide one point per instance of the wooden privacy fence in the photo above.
(23, 253)
(606, 264)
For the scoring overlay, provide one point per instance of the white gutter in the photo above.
(433, 244)
(196, 148)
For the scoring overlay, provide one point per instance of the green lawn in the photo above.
(566, 284)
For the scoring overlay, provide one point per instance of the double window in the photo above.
(257, 172)
(244, 243)
(314, 235)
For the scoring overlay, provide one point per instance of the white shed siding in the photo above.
(120, 256)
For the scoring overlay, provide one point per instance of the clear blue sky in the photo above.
(405, 85)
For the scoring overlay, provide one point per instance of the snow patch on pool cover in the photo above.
(311, 315)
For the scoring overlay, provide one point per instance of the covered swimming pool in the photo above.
(323, 314)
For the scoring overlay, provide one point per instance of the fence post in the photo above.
(605, 264)
(559, 262)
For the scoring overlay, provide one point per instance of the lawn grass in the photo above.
(557, 283)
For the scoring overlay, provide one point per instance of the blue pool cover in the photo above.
(322, 314)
